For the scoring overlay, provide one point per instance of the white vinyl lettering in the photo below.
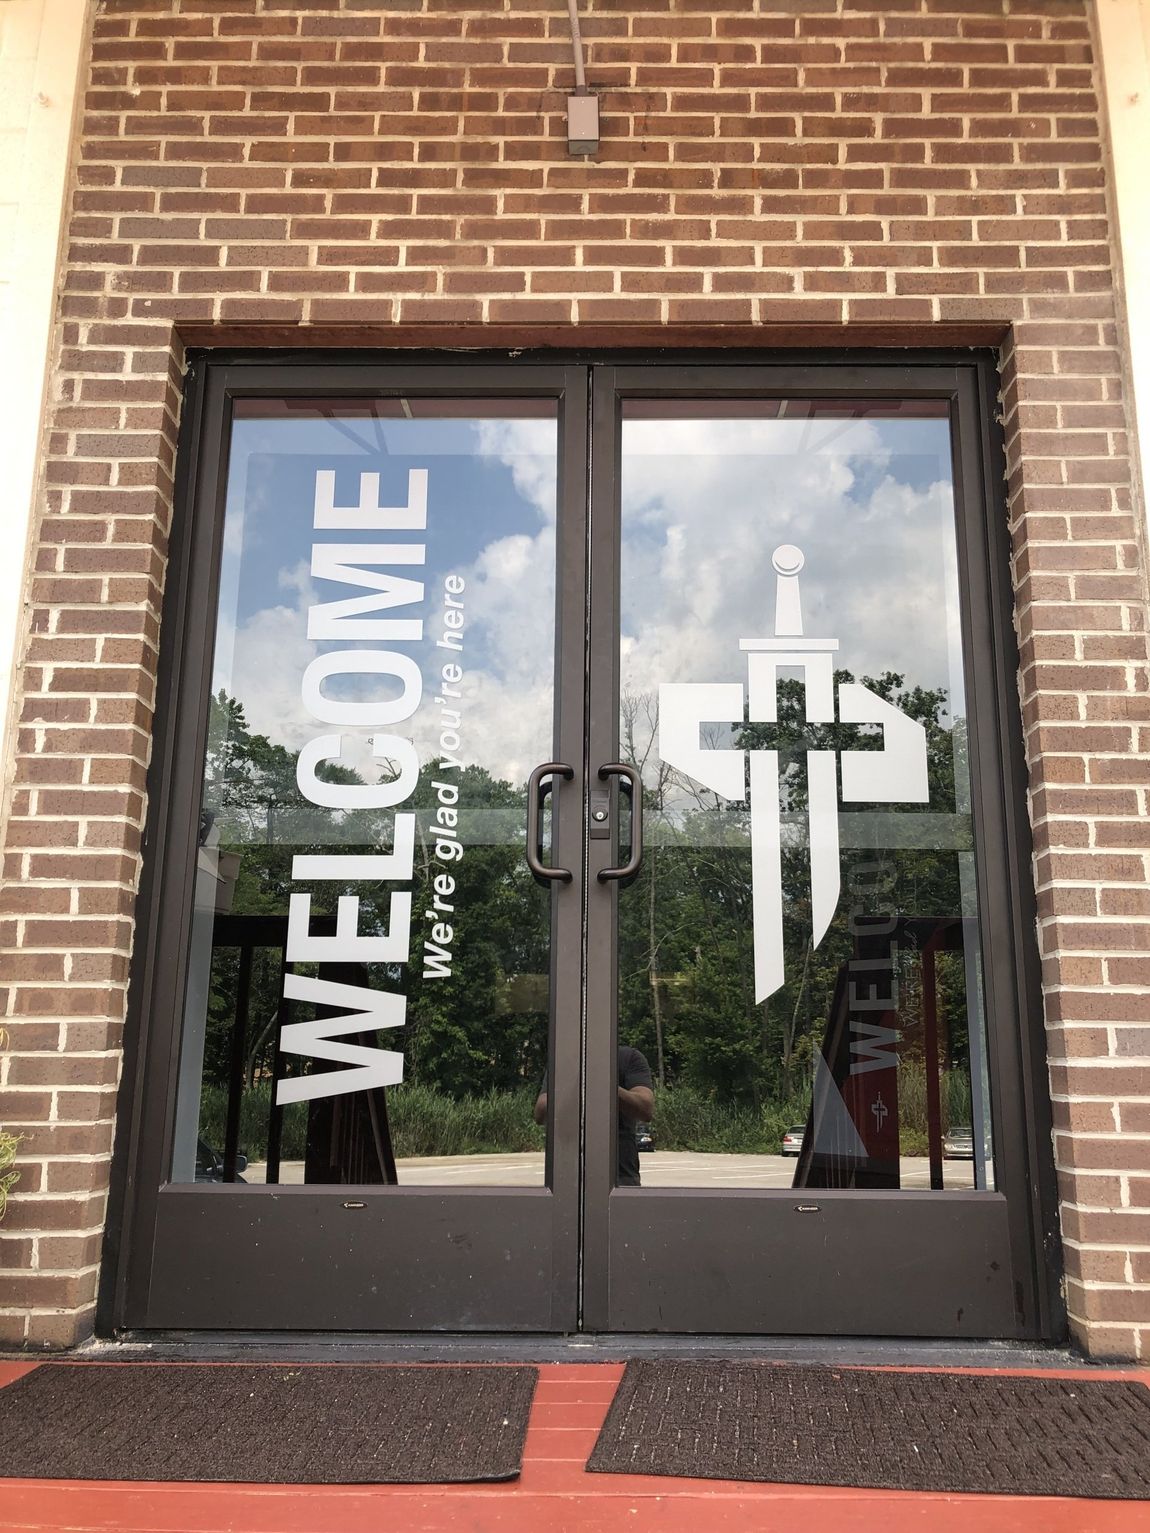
(399, 754)
(366, 688)
(436, 962)
(346, 619)
(348, 945)
(363, 1011)
(369, 515)
(363, 662)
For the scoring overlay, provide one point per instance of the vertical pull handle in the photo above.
(633, 784)
(536, 788)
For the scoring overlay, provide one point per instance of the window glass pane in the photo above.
(368, 991)
(799, 956)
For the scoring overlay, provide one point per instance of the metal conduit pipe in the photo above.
(582, 107)
(577, 46)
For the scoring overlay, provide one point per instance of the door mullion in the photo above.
(568, 850)
(601, 947)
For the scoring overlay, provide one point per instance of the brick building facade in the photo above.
(800, 174)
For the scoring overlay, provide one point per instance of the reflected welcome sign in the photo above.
(390, 611)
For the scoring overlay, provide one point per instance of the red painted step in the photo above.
(554, 1494)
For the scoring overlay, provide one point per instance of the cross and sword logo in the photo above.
(896, 774)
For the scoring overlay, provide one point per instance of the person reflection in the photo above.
(636, 1105)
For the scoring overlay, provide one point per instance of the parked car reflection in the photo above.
(210, 1164)
(959, 1143)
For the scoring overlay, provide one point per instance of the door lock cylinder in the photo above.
(600, 814)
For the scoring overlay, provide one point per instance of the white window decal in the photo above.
(894, 774)
(347, 619)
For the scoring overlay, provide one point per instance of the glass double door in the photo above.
(580, 862)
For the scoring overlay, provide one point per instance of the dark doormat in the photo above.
(320, 1425)
(879, 1429)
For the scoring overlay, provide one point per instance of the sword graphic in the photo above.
(895, 774)
(765, 658)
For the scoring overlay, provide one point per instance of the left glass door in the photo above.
(353, 1009)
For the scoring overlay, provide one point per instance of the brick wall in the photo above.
(772, 171)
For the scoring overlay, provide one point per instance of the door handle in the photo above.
(633, 783)
(536, 788)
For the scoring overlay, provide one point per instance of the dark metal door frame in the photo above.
(226, 1256)
(582, 1253)
(694, 1260)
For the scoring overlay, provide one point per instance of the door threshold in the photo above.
(368, 1347)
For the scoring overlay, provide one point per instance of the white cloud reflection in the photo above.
(704, 505)
(508, 657)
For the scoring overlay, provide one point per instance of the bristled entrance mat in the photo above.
(879, 1429)
(335, 1425)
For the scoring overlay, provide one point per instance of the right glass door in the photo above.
(814, 958)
